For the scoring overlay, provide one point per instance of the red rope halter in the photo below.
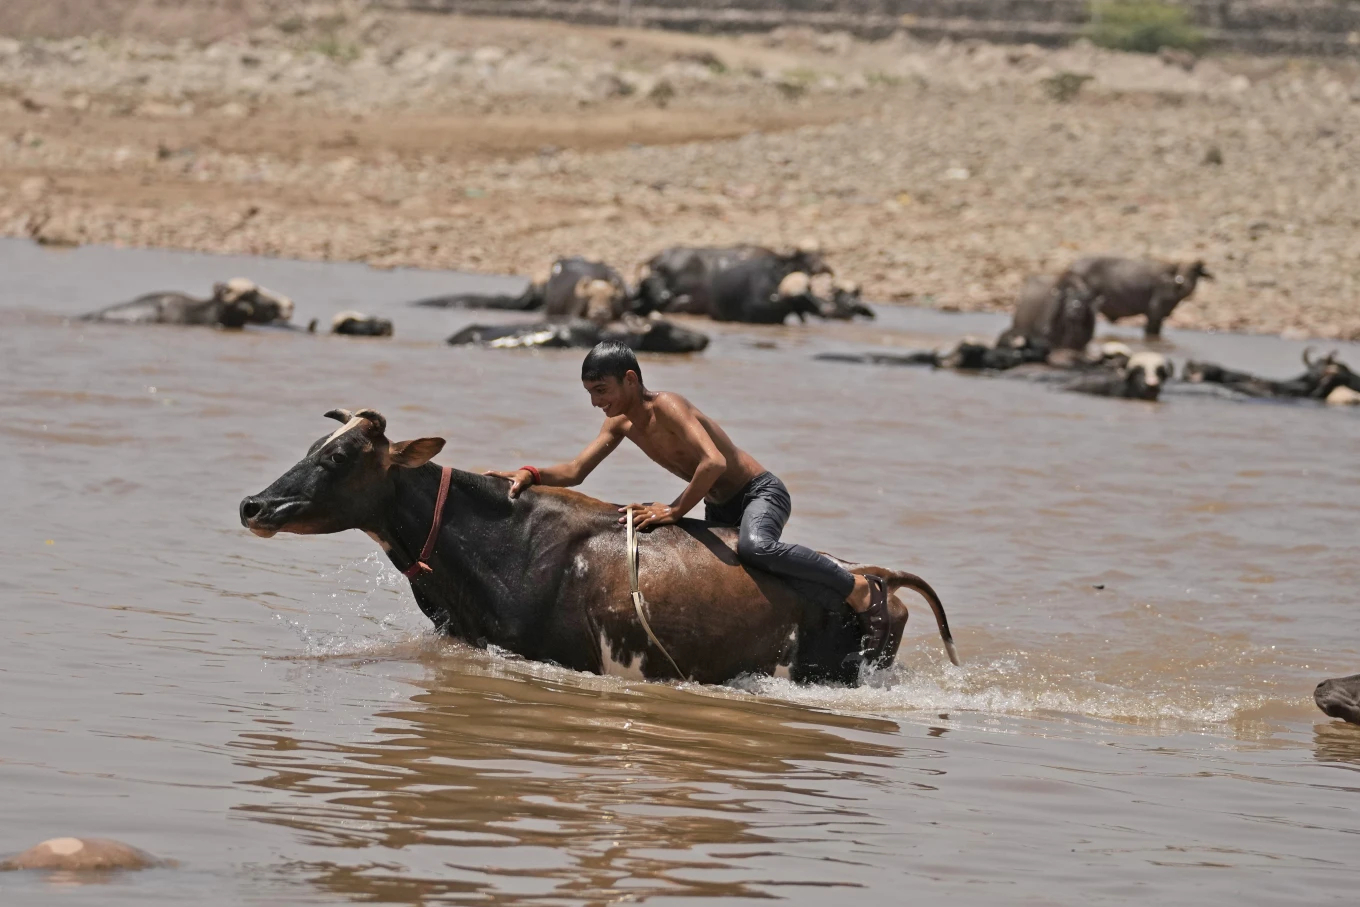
(420, 568)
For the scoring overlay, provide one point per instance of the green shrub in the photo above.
(1145, 26)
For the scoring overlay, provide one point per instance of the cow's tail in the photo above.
(897, 580)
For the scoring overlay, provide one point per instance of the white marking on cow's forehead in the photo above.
(352, 423)
(65, 846)
(611, 668)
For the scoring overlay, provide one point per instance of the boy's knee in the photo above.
(752, 549)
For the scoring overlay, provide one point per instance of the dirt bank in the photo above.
(940, 173)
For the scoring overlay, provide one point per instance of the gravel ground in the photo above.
(941, 174)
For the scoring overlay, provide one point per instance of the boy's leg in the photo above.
(759, 545)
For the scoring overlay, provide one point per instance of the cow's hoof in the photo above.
(82, 854)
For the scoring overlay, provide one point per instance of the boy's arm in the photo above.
(710, 469)
(565, 475)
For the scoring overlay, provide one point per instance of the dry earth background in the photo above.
(939, 173)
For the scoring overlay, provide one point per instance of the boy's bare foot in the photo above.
(859, 595)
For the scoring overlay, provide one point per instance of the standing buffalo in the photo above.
(233, 304)
(681, 279)
(1129, 287)
(546, 575)
(1055, 313)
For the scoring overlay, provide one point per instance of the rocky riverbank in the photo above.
(938, 173)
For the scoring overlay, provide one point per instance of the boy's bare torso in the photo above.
(660, 435)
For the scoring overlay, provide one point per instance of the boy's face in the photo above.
(612, 395)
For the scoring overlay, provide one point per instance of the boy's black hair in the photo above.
(610, 359)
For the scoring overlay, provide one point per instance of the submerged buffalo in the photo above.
(233, 304)
(1327, 379)
(573, 287)
(642, 335)
(545, 575)
(1130, 287)
(758, 291)
(357, 324)
(683, 279)
(1140, 376)
(1114, 371)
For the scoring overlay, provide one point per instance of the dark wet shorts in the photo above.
(760, 510)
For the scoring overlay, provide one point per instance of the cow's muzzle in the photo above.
(265, 517)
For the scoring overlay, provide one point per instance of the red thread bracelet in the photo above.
(533, 471)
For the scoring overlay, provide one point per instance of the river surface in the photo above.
(1143, 595)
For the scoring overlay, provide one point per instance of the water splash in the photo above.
(368, 611)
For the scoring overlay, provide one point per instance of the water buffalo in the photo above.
(545, 576)
(580, 288)
(644, 335)
(233, 304)
(1140, 376)
(1129, 287)
(358, 324)
(680, 279)
(757, 291)
(967, 355)
(571, 288)
(1321, 380)
(1057, 313)
(1340, 697)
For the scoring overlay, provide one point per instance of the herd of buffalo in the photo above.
(582, 302)
(1050, 338)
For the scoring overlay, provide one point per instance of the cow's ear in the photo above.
(410, 454)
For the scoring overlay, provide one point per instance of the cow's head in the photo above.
(342, 483)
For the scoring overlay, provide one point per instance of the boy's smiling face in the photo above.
(612, 395)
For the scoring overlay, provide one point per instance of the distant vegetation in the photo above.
(1145, 26)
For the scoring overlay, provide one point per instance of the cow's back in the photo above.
(712, 614)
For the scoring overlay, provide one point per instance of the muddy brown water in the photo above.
(277, 718)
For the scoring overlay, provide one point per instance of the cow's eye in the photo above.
(336, 459)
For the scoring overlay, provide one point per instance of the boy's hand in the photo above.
(645, 515)
(520, 479)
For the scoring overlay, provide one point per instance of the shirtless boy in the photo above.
(735, 489)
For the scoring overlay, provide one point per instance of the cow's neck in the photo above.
(475, 572)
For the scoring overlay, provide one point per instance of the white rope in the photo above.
(639, 604)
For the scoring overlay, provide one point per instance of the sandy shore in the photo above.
(941, 174)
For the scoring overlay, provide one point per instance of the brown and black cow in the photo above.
(545, 575)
